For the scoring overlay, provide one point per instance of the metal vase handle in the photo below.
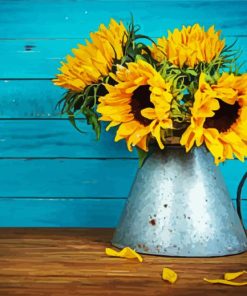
(239, 196)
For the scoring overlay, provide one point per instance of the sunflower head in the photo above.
(139, 104)
(189, 46)
(219, 118)
(93, 61)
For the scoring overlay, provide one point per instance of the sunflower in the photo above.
(189, 47)
(94, 60)
(139, 104)
(219, 118)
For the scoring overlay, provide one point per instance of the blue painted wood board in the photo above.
(73, 19)
(65, 212)
(57, 138)
(35, 212)
(50, 175)
(65, 178)
(87, 178)
(34, 59)
(29, 99)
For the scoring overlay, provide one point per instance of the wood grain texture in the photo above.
(73, 19)
(72, 262)
(66, 212)
(40, 59)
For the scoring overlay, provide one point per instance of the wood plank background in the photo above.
(50, 175)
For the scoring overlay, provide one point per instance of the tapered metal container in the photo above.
(179, 206)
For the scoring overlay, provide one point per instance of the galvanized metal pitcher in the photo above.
(179, 206)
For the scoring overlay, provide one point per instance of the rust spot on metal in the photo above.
(145, 248)
(152, 222)
(165, 205)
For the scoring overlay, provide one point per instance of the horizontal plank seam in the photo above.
(81, 38)
(4, 198)
(13, 198)
(26, 78)
(67, 158)
(55, 116)
(75, 158)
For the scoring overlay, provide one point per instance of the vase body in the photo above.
(179, 206)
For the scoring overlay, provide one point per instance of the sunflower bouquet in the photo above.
(181, 89)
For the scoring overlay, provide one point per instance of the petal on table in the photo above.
(169, 275)
(124, 253)
(225, 282)
(233, 275)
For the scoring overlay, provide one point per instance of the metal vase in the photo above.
(179, 206)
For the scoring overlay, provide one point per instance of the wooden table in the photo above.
(68, 262)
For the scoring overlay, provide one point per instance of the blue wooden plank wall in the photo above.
(50, 175)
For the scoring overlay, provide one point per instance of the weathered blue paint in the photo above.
(88, 178)
(65, 178)
(43, 58)
(35, 212)
(57, 138)
(28, 139)
(50, 175)
(29, 98)
(74, 19)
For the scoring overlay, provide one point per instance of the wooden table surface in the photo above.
(69, 261)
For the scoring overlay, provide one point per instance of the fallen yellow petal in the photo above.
(169, 275)
(233, 275)
(124, 253)
(225, 282)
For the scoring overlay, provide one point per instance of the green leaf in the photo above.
(140, 57)
(191, 72)
(73, 122)
(92, 119)
(142, 155)
(140, 36)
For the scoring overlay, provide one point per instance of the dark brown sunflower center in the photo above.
(141, 100)
(224, 117)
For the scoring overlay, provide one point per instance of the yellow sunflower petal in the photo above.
(149, 113)
(188, 139)
(126, 129)
(217, 150)
(139, 137)
(233, 275)
(225, 282)
(169, 275)
(188, 46)
(124, 253)
(127, 104)
(157, 134)
(143, 144)
(224, 133)
(112, 124)
(93, 61)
